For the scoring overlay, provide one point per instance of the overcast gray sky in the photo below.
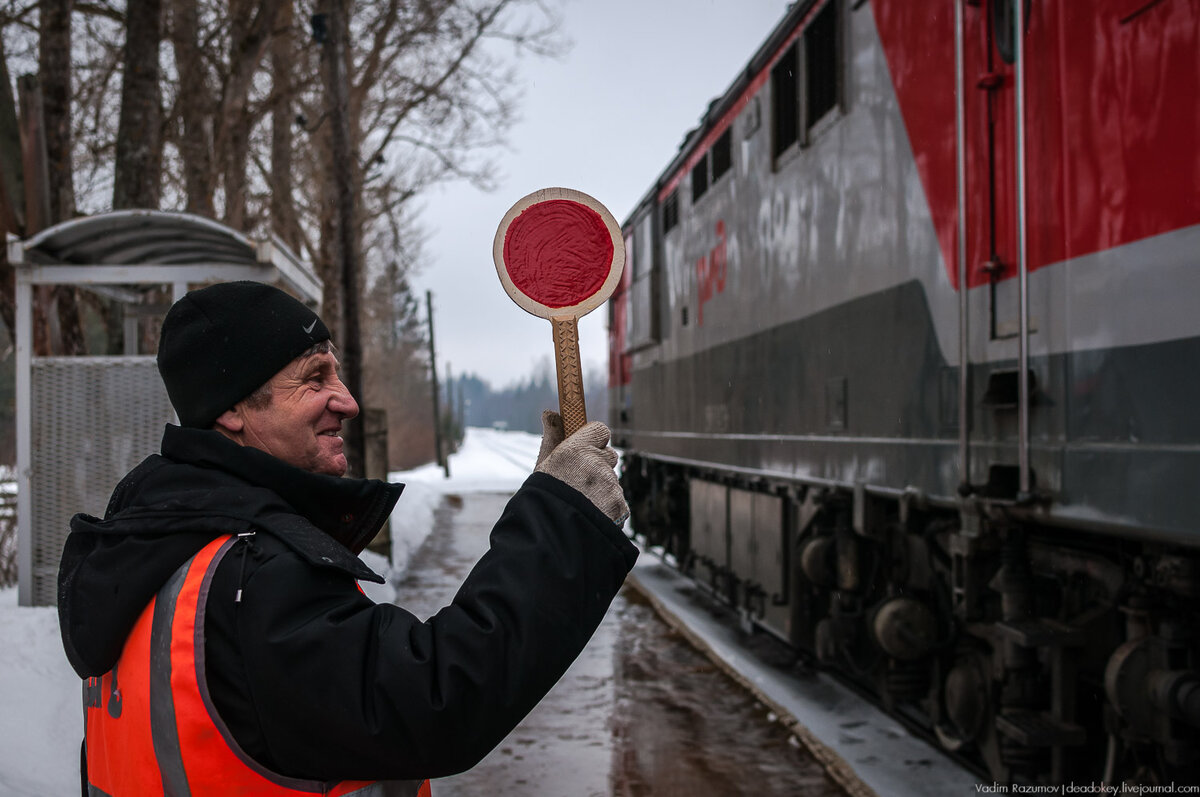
(606, 119)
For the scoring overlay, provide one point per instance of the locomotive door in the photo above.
(991, 160)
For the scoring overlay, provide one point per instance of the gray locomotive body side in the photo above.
(831, 352)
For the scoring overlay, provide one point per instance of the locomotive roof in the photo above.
(720, 105)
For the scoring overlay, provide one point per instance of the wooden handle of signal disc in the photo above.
(570, 375)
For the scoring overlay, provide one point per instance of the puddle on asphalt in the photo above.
(682, 727)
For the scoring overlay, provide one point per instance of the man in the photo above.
(215, 613)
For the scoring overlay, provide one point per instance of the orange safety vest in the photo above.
(152, 727)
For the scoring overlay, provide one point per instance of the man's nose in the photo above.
(342, 402)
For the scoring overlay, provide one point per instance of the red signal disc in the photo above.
(558, 252)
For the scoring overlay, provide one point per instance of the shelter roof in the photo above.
(164, 238)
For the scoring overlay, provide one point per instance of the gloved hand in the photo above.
(552, 435)
(584, 461)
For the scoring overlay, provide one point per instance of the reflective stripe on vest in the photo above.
(151, 724)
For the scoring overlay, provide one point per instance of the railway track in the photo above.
(866, 751)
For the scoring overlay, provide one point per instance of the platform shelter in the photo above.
(84, 421)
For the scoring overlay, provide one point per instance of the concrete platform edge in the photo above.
(827, 718)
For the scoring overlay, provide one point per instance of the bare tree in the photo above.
(396, 378)
(97, 76)
(193, 108)
(12, 188)
(427, 96)
(137, 178)
(251, 24)
(54, 70)
(283, 121)
(236, 126)
(343, 190)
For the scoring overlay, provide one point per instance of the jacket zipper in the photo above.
(246, 538)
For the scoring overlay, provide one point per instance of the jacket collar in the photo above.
(350, 511)
(171, 505)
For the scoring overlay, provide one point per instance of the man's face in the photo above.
(301, 422)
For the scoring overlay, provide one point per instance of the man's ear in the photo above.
(230, 422)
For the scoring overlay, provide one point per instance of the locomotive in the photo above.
(905, 366)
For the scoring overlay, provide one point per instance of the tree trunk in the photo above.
(251, 27)
(283, 57)
(54, 70)
(137, 179)
(37, 198)
(195, 109)
(70, 327)
(345, 158)
(238, 150)
(33, 155)
(12, 190)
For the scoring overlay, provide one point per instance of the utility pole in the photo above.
(331, 29)
(442, 460)
(449, 410)
(462, 408)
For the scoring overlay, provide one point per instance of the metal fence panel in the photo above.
(93, 420)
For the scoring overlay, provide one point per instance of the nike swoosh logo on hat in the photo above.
(308, 329)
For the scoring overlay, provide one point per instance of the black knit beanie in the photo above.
(221, 343)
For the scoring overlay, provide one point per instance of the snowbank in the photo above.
(41, 708)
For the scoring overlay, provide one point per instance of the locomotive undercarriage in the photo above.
(1033, 653)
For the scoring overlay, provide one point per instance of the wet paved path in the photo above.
(640, 713)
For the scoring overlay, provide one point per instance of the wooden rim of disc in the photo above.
(589, 303)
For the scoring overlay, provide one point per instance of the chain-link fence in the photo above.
(8, 527)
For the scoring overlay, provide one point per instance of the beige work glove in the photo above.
(584, 461)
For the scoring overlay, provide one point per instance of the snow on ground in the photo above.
(41, 719)
(41, 715)
(488, 461)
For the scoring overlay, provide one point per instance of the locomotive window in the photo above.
(821, 64)
(722, 154)
(644, 286)
(700, 178)
(785, 101)
(670, 211)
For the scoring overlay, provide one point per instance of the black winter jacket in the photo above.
(313, 679)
